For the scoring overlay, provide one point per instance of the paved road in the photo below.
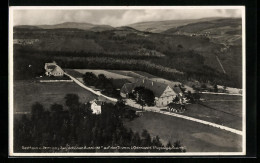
(155, 109)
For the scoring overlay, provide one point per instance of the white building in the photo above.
(164, 94)
(96, 106)
(52, 69)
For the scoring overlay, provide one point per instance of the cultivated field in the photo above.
(127, 73)
(220, 109)
(195, 136)
(227, 103)
(28, 92)
(120, 77)
(106, 73)
(205, 113)
(145, 74)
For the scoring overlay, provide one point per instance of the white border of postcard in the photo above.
(11, 153)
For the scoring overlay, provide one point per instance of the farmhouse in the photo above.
(96, 106)
(52, 69)
(164, 94)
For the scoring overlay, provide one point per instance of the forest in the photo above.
(26, 56)
(76, 126)
(174, 57)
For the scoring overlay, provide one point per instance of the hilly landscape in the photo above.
(160, 26)
(184, 50)
(70, 25)
(223, 31)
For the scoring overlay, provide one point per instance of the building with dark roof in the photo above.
(164, 94)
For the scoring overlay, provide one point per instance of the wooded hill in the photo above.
(178, 56)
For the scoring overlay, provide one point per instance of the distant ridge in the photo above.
(160, 26)
(26, 27)
(69, 25)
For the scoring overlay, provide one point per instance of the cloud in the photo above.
(117, 17)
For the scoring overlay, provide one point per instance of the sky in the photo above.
(114, 17)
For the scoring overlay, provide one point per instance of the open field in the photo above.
(106, 73)
(120, 77)
(141, 74)
(220, 109)
(145, 74)
(195, 136)
(205, 113)
(127, 73)
(211, 97)
(226, 103)
(28, 92)
(73, 73)
(78, 73)
(232, 107)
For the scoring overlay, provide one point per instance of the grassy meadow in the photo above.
(195, 136)
(28, 92)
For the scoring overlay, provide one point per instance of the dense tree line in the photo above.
(143, 96)
(77, 126)
(182, 52)
(101, 82)
(158, 67)
(189, 63)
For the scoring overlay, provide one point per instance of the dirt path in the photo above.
(221, 65)
(91, 90)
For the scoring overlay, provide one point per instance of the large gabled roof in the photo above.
(51, 67)
(177, 89)
(157, 87)
(57, 69)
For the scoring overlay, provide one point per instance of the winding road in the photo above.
(155, 109)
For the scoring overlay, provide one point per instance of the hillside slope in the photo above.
(195, 56)
(227, 31)
(70, 25)
(160, 26)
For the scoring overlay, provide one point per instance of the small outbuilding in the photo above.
(96, 106)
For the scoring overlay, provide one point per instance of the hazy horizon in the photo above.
(122, 25)
(114, 17)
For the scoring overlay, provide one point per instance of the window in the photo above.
(162, 103)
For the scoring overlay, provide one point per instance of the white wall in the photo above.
(167, 96)
(96, 109)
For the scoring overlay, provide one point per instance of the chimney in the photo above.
(152, 83)
(143, 80)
